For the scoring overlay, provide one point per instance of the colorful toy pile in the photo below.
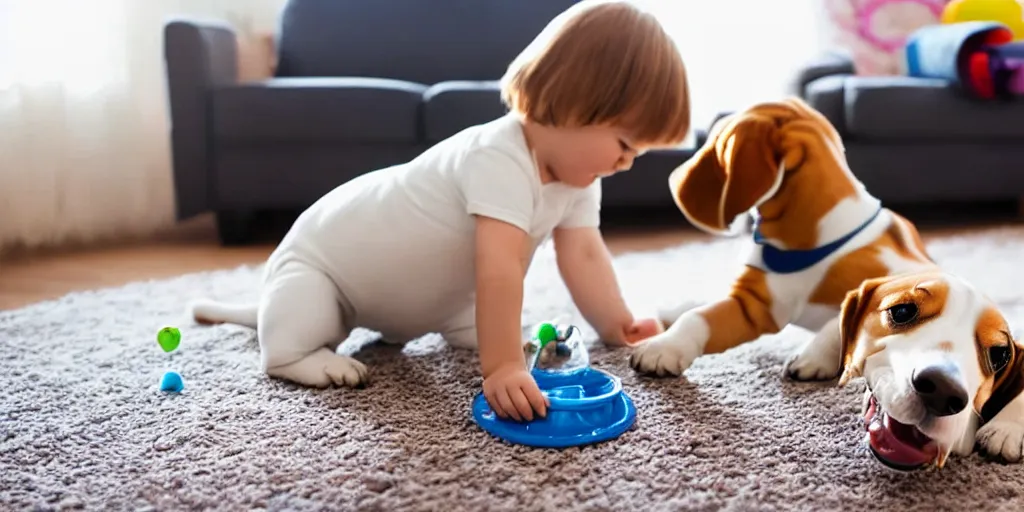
(1006, 12)
(169, 338)
(979, 46)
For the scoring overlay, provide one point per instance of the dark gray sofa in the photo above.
(359, 86)
(915, 140)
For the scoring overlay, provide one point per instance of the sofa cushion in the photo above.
(902, 108)
(414, 40)
(450, 107)
(318, 110)
(830, 63)
(826, 95)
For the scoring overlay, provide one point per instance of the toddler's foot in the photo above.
(322, 368)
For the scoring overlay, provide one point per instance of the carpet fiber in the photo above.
(83, 424)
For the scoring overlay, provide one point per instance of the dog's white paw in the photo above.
(669, 315)
(819, 358)
(810, 364)
(1002, 439)
(664, 355)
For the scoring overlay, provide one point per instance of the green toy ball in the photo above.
(169, 338)
(557, 348)
(546, 333)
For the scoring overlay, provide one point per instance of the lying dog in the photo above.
(938, 359)
(822, 242)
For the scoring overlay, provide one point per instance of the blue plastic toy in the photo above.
(171, 382)
(587, 405)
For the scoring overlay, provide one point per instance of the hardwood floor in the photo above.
(193, 247)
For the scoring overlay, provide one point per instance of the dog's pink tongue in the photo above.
(898, 443)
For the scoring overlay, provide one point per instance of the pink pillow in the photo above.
(873, 31)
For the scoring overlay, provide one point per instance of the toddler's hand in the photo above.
(512, 392)
(642, 329)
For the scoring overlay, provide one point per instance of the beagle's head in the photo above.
(750, 158)
(936, 355)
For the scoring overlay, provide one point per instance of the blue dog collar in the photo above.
(787, 261)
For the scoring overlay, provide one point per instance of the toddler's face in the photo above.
(585, 154)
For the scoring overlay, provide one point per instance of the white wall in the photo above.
(740, 51)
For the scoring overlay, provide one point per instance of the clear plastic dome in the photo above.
(557, 349)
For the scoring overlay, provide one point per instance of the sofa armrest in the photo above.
(828, 64)
(198, 57)
(449, 107)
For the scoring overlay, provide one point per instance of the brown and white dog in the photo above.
(936, 354)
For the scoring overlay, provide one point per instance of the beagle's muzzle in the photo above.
(939, 360)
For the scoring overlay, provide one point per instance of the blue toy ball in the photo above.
(587, 405)
(171, 382)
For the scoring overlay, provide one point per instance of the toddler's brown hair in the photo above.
(603, 62)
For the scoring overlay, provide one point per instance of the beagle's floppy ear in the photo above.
(821, 123)
(1008, 383)
(851, 317)
(730, 174)
(746, 157)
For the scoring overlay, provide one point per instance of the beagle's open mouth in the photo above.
(897, 445)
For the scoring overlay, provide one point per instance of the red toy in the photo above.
(978, 55)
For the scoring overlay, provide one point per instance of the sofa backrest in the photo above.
(425, 41)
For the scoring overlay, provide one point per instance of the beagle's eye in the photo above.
(903, 314)
(999, 357)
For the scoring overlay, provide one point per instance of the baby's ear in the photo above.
(735, 170)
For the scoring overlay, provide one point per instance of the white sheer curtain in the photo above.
(84, 150)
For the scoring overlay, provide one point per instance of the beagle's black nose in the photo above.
(940, 389)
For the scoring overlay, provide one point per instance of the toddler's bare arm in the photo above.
(500, 270)
(586, 267)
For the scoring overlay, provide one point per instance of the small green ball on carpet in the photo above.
(169, 338)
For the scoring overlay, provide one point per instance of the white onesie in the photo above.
(399, 242)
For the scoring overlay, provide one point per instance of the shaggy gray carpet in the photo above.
(83, 424)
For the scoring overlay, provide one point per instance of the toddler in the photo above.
(441, 244)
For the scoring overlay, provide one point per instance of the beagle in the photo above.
(820, 241)
(939, 360)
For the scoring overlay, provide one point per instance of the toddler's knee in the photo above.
(463, 338)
